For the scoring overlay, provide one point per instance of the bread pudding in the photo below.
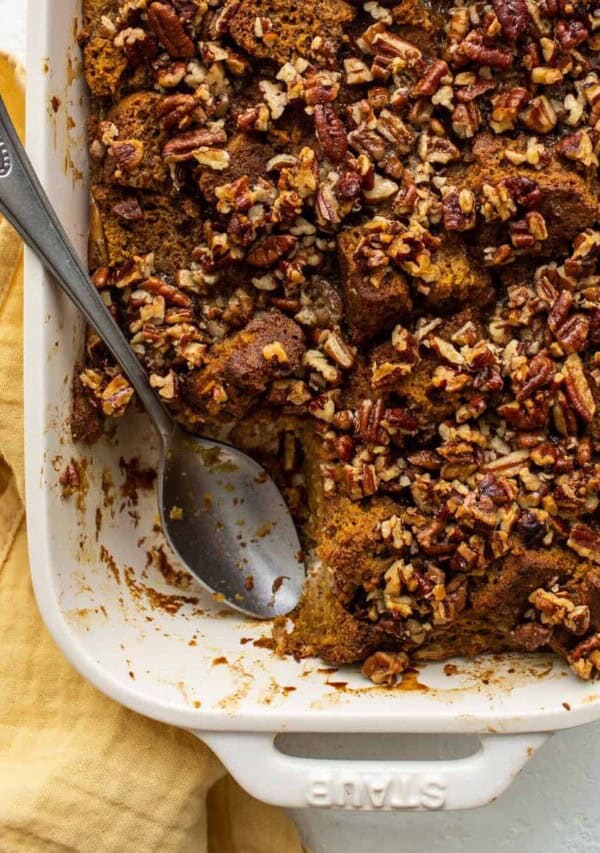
(362, 237)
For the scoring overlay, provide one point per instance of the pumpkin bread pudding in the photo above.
(364, 238)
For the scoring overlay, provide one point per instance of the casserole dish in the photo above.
(139, 629)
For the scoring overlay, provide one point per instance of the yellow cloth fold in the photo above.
(77, 771)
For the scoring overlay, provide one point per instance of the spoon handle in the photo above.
(27, 207)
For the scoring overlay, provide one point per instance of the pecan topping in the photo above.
(378, 254)
(167, 26)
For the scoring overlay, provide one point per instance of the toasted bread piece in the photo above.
(171, 232)
(370, 309)
(290, 29)
(136, 120)
(242, 366)
(248, 155)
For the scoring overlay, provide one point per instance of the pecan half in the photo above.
(168, 28)
(560, 310)
(539, 374)
(183, 147)
(128, 153)
(370, 415)
(578, 389)
(573, 333)
(174, 110)
(330, 133)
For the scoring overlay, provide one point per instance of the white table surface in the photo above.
(552, 807)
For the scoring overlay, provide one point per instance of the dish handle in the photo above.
(285, 780)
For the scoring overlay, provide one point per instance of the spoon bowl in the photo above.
(228, 522)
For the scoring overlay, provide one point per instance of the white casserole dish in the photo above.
(92, 582)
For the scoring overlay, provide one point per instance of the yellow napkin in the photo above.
(77, 771)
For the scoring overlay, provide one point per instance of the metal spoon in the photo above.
(220, 511)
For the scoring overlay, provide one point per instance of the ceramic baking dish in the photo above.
(173, 654)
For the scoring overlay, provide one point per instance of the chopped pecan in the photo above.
(585, 657)
(532, 636)
(539, 115)
(525, 191)
(435, 149)
(475, 49)
(579, 147)
(571, 33)
(368, 142)
(513, 17)
(585, 541)
(370, 415)
(270, 250)
(477, 510)
(560, 310)
(430, 80)
(553, 607)
(392, 128)
(345, 448)
(385, 667)
(128, 209)
(361, 481)
(458, 209)
(167, 26)
(115, 396)
(392, 51)
(540, 374)
(474, 90)
(349, 186)
(466, 120)
(330, 132)
(337, 349)
(577, 620)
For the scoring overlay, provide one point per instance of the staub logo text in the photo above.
(384, 791)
